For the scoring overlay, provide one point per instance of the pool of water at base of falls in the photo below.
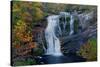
(68, 58)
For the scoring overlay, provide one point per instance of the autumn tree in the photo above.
(24, 15)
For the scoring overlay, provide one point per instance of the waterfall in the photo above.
(53, 30)
(64, 14)
(53, 43)
(71, 25)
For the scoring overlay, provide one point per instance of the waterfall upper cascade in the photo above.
(66, 14)
(71, 25)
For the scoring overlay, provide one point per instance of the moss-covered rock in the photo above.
(89, 50)
(38, 51)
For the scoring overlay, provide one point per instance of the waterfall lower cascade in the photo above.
(53, 43)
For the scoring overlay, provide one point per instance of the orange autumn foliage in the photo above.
(23, 50)
(32, 45)
(17, 46)
(24, 16)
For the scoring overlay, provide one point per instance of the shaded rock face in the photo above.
(39, 37)
(71, 44)
(37, 32)
(38, 29)
(85, 19)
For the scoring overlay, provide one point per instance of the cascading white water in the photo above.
(71, 25)
(53, 43)
(64, 14)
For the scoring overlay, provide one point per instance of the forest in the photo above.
(30, 32)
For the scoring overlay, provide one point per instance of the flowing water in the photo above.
(71, 25)
(64, 14)
(53, 43)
